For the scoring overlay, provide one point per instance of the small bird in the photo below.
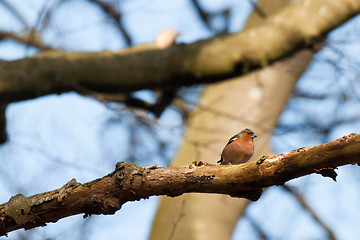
(239, 149)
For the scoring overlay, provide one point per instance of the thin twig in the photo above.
(117, 17)
(261, 233)
(16, 13)
(26, 39)
(303, 203)
(258, 10)
(204, 16)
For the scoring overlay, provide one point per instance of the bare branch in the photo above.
(116, 16)
(204, 16)
(32, 35)
(3, 133)
(258, 9)
(147, 66)
(15, 12)
(129, 182)
(257, 228)
(28, 39)
(303, 203)
(164, 99)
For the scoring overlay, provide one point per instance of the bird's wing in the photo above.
(230, 141)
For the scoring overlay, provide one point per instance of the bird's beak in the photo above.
(253, 136)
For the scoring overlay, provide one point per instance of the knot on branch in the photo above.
(67, 188)
(19, 210)
(99, 204)
(327, 172)
(130, 177)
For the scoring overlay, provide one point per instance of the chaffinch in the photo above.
(239, 149)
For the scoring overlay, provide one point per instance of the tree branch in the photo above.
(301, 200)
(204, 16)
(129, 182)
(28, 39)
(3, 133)
(16, 13)
(117, 17)
(148, 67)
(258, 9)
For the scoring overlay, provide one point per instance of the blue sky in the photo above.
(60, 137)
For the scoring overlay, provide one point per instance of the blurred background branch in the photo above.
(56, 137)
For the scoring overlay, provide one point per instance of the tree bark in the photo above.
(254, 101)
(130, 182)
(146, 66)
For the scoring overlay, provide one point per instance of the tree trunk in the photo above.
(254, 101)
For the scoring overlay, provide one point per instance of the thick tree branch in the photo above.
(147, 66)
(130, 182)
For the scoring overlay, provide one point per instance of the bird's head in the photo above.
(247, 134)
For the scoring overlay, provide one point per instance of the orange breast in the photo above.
(239, 151)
